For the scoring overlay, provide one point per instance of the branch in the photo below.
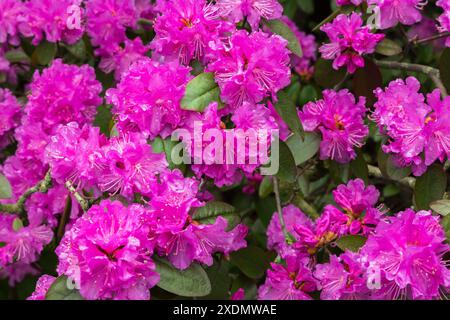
(409, 182)
(276, 190)
(433, 73)
(19, 206)
(432, 38)
(82, 201)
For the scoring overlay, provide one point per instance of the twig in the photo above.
(83, 202)
(429, 71)
(432, 38)
(145, 22)
(276, 190)
(19, 206)
(64, 218)
(409, 182)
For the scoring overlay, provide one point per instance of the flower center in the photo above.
(187, 22)
(338, 122)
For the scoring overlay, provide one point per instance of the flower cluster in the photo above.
(349, 40)
(340, 119)
(402, 258)
(417, 129)
(392, 12)
(444, 18)
(11, 112)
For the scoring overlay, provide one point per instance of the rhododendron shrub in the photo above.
(228, 149)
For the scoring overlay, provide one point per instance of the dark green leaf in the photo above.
(201, 92)
(45, 52)
(15, 56)
(287, 170)
(288, 112)
(444, 68)
(166, 145)
(441, 207)
(388, 47)
(389, 169)
(359, 167)
(282, 29)
(103, 119)
(78, 50)
(60, 290)
(445, 222)
(191, 282)
(5, 188)
(430, 187)
(17, 224)
(352, 243)
(252, 261)
(307, 6)
(325, 75)
(265, 187)
(303, 150)
(213, 209)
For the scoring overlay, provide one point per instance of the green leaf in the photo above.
(338, 11)
(288, 112)
(430, 187)
(201, 92)
(441, 207)
(17, 224)
(5, 188)
(445, 223)
(366, 80)
(444, 68)
(265, 187)
(45, 52)
(307, 6)
(59, 290)
(103, 119)
(282, 29)
(303, 150)
(352, 243)
(252, 261)
(326, 76)
(359, 167)
(166, 145)
(15, 56)
(388, 48)
(191, 282)
(78, 49)
(213, 209)
(389, 169)
(287, 170)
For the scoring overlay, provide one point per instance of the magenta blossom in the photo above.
(340, 119)
(74, 154)
(392, 12)
(43, 284)
(342, 278)
(10, 119)
(253, 10)
(251, 67)
(291, 282)
(50, 19)
(348, 2)
(418, 131)
(148, 97)
(184, 29)
(128, 165)
(107, 253)
(349, 41)
(408, 251)
(444, 18)
(11, 12)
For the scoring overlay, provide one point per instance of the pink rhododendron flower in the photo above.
(392, 12)
(61, 94)
(340, 119)
(108, 253)
(424, 29)
(184, 29)
(348, 2)
(418, 131)
(21, 244)
(292, 216)
(409, 251)
(107, 21)
(16, 272)
(10, 13)
(444, 18)
(43, 284)
(342, 278)
(147, 99)
(251, 67)
(291, 282)
(128, 165)
(119, 58)
(49, 19)
(74, 154)
(238, 295)
(10, 119)
(253, 10)
(349, 41)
